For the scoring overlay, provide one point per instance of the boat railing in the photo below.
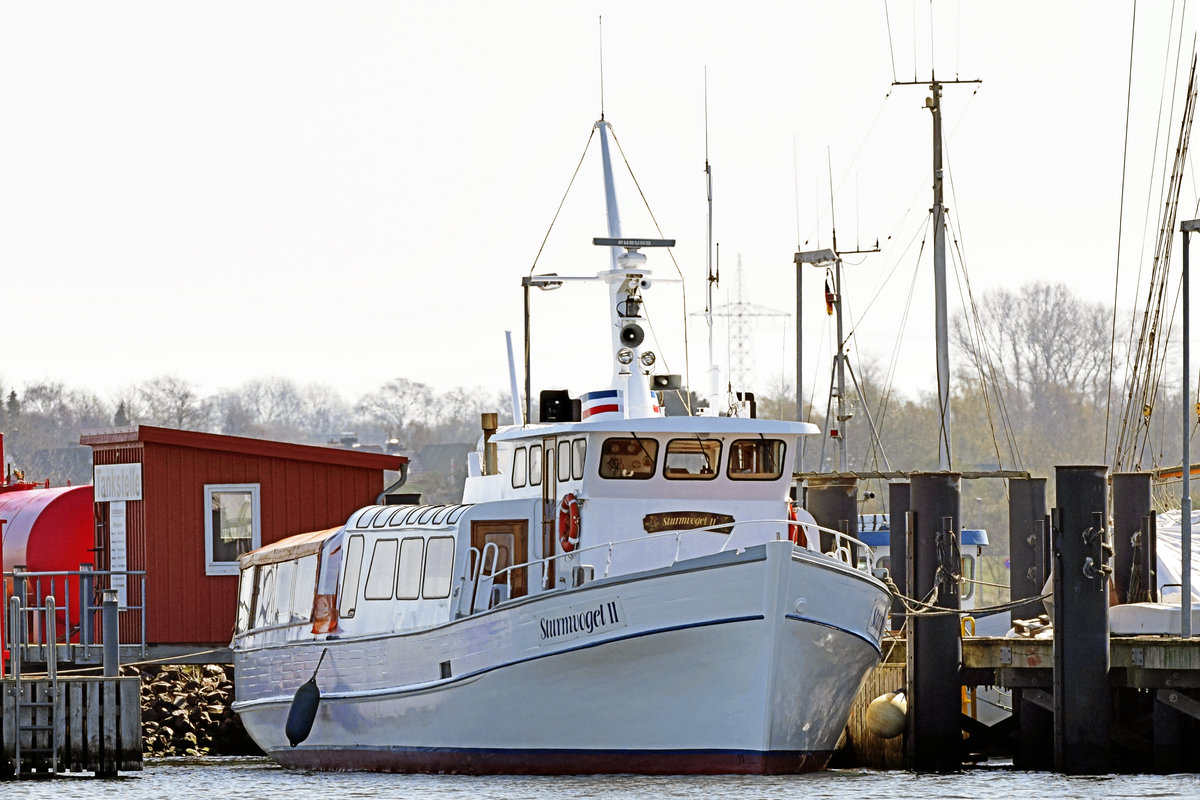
(843, 550)
(79, 597)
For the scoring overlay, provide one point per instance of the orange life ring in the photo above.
(568, 522)
(797, 531)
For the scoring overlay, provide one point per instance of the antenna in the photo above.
(714, 379)
(601, 28)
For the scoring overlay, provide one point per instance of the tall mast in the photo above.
(934, 104)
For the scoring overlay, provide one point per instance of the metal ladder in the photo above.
(35, 717)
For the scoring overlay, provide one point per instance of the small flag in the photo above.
(607, 401)
(828, 297)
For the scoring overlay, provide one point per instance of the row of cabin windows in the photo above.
(404, 569)
(278, 594)
(634, 458)
(527, 462)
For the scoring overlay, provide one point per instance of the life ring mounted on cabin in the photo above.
(796, 533)
(568, 522)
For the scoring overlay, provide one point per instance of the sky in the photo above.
(349, 193)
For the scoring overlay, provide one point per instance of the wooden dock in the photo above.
(70, 724)
(1154, 682)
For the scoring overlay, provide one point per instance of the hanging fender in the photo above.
(568, 522)
(796, 531)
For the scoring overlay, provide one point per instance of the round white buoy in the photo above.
(885, 715)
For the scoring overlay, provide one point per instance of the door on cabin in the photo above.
(511, 537)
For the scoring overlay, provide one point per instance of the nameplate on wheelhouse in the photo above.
(685, 521)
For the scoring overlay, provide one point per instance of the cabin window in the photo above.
(264, 596)
(535, 465)
(381, 576)
(284, 583)
(245, 598)
(408, 575)
(354, 554)
(439, 563)
(756, 459)
(564, 460)
(578, 453)
(231, 525)
(629, 458)
(520, 468)
(304, 589)
(692, 459)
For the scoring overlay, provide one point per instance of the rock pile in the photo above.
(186, 711)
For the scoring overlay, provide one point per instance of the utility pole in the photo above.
(934, 104)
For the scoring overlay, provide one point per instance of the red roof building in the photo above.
(183, 505)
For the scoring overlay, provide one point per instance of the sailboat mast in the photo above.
(934, 102)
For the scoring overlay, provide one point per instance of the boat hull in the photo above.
(736, 663)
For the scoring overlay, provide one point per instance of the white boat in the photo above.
(619, 591)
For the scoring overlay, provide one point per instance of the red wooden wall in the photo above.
(302, 488)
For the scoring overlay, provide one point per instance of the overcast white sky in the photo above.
(347, 193)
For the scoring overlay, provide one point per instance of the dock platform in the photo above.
(1154, 682)
(70, 724)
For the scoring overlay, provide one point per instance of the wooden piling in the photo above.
(933, 741)
(1082, 701)
(1028, 544)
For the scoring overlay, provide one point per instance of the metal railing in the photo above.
(843, 547)
(74, 634)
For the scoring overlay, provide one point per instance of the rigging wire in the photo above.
(671, 253)
(891, 47)
(1120, 229)
(1149, 359)
(561, 202)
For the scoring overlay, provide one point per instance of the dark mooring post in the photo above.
(1133, 569)
(934, 740)
(899, 496)
(833, 502)
(1082, 701)
(1028, 544)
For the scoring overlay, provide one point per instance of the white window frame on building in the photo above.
(212, 566)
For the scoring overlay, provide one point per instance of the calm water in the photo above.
(259, 779)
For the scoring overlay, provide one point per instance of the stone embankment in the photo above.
(186, 711)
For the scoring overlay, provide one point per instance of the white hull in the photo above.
(737, 662)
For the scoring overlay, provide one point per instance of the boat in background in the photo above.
(619, 591)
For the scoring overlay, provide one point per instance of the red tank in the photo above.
(46, 530)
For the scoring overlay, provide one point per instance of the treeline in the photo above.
(42, 422)
(1031, 391)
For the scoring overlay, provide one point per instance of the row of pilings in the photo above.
(1074, 546)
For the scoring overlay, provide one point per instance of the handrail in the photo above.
(22, 585)
(840, 540)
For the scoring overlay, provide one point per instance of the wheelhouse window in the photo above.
(520, 468)
(756, 459)
(535, 465)
(439, 564)
(408, 576)
(578, 454)
(231, 525)
(564, 460)
(692, 459)
(628, 458)
(381, 576)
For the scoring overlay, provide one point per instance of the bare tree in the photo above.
(173, 402)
